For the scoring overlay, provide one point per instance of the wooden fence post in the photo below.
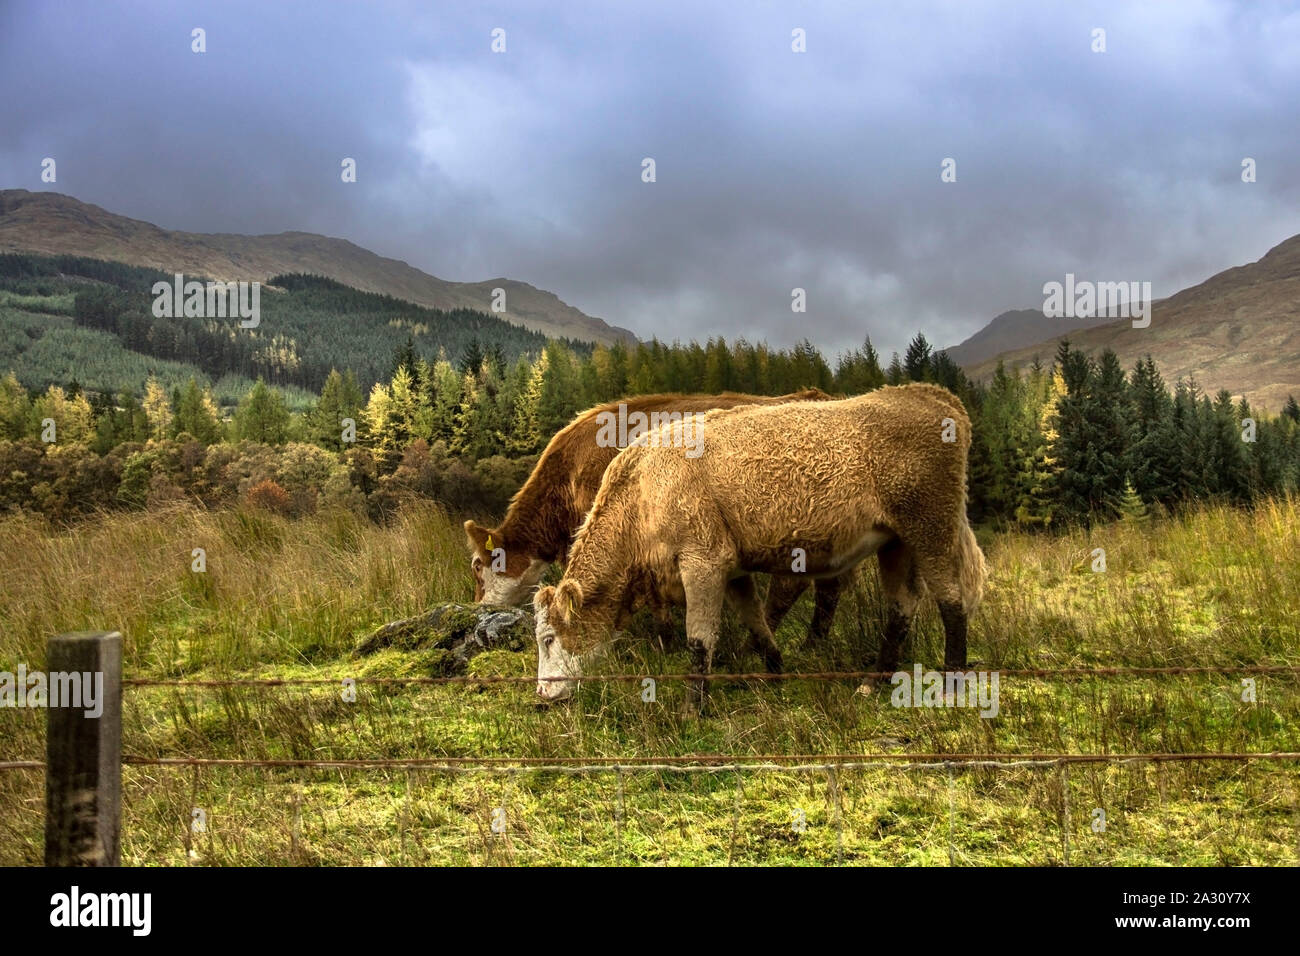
(83, 755)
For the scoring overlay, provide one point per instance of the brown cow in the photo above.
(508, 561)
(883, 473)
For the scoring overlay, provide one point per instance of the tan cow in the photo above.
(882, 473)
(508, 561)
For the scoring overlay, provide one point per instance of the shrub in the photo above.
(270, 496)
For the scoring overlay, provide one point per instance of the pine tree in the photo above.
(405, 358)
(558, 403)
(1092, 435)
(340, 398)
(1005, 436)
(944, 371)
(1192, 441)
(1229, 463)
(1039, 470)
(472, 357)
(916, 361)
(197, 414)
(262, 416)
(859, 371)
(465, 435)
(718, 376)
(446, 400)
(1131, 506)
(1292, 409)
(1154, 457)
(526, 437)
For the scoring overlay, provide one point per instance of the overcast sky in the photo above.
(774, 169)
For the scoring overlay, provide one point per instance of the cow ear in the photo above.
(567, 600)
(477, 537)
(543, 599)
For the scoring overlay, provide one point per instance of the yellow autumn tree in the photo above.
(158, 409)
(72, 418)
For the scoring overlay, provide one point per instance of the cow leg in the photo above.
(901, 586)
(954, 635)
(782, 592)
(826, 598)
(743, 596)
(940, 573)
(705, 588)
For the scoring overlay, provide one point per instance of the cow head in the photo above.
(502, 574)
(562, 641)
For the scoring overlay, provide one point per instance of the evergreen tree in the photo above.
(1229, 463)
(1194, 441)
(558, 403)
(405, 358)
(1154, 459)
(526, 436)
(916, 361)
(1091, 425)
(1039, 470)
(1131, 506)
(944, 371)
(466, 435)
(859, 371)
(446, 400)
(262, 416)
(894, 374)
(718, 375)
(1291, 410)
(472, 357)
(197, 414)
(340, 398)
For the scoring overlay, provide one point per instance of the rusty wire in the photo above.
(687, 763)
(1064, 672)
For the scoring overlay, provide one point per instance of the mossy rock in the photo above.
(458, 631)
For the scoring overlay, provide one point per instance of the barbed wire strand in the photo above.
(714, 763)
(742, 676)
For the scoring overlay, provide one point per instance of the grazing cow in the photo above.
(882, 473)
(548, 510)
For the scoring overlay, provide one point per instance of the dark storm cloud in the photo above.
(775, 170)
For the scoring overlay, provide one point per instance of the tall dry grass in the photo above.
(290, 598)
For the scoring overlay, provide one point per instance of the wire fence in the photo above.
(694, 763)
(1058, 672)
(829, 764)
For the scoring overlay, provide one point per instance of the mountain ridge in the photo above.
(52, 223)
(1239, 329)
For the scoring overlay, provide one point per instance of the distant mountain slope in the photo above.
(1014, 329)
(1239, 330)
(53, 224)
(68, 317)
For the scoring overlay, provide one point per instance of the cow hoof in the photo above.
(869, 687)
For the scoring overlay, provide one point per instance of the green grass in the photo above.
(291, 599)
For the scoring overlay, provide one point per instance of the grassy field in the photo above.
(291, 599)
